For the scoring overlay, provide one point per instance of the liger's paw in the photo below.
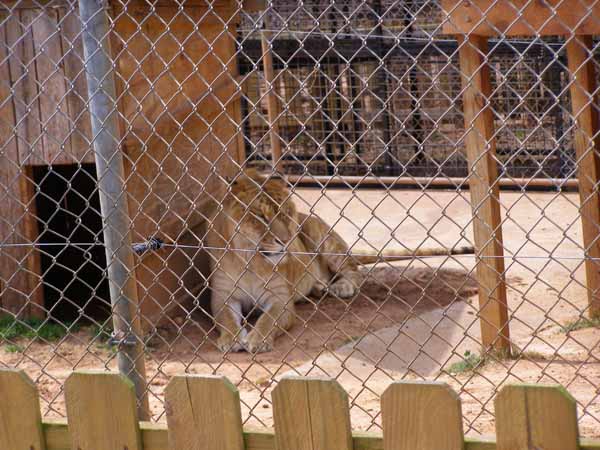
(226, 343)
(255, 343)
(343, 288)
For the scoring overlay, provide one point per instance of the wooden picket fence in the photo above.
(203, 412)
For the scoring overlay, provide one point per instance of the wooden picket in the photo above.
(309, 414)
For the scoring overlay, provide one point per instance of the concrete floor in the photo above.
(546, 290)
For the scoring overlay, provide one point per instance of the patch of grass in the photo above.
(580, 324)
(530, 355)
(12, 328)
(468, 364)
(101, 334)
(13, 348)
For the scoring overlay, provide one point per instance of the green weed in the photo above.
(580, 324)
(469, 362)
(13, 348)
(12, 328)
(101, 334)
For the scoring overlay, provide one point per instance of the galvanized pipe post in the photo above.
(113, 201)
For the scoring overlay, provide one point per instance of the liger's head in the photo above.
(264, 214)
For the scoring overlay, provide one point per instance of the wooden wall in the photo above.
(176, 136)
(42, 121)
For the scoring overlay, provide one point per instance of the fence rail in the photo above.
(203, 412)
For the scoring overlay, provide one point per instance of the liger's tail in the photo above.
(402, 255)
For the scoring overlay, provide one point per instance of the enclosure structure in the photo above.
(179, 111)
(379, 115)
(396, 118)
(569, 19)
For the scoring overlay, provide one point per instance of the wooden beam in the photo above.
(20, 418)
(583, 87)
(33, 262)
(114, 424)
(154, 437)
(425, 182)
(20, 283)
(521, 17)
(536, 417)
(311, 414)
(484, 190)
(273, 109)
(247, 5)
(407, 420)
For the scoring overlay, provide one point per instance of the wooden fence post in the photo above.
(20, 418)
(101, 408)
(536, 417)
(485, 193)
(583, 105)
(203, 412)
(311, 414)
(273, 109)
(424, 415)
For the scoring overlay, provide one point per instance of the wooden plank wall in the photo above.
(173, 129)
(45, 122)
(310, 414)
(185, 140)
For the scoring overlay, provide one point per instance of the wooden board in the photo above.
(536, 417)
(521, 17)
(587, 144)
(101, 408)
(170, 167)
(485, 194)
(273, 108)
(49, 70)
(18, 280)
(311, 414)
(20, 418)
(23, 80)
(203, 412)
(30, 276)
(80, 128)
(424, 416)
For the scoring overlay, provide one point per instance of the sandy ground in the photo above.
(411, 321)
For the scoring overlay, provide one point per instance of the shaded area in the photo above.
(68, 211)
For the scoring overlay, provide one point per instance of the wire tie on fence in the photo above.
(152, 243)
(127, 340)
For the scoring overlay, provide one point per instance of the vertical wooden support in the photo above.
(273, 109)
(536, 417)
(33, 264)
(426, 416)
(485, 193)
(20, 418)
(101, 408)
(203, 413)
(583, 87)
(21, 288)
(311, 414)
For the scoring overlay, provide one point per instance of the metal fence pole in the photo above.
(113, 202)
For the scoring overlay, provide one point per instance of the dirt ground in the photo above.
(411, 320)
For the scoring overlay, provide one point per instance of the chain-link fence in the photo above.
(311, 188)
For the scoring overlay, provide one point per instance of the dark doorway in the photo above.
(68, 211)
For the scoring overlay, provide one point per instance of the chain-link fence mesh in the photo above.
(256, 276)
